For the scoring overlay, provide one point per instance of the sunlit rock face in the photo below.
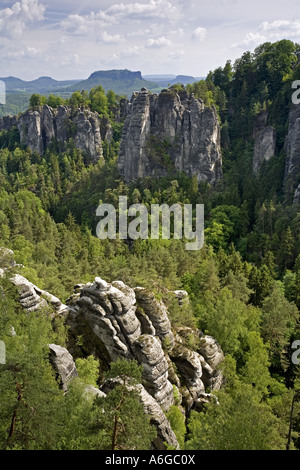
(40, 127)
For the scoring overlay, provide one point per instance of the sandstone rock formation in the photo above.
(38, 129)
(170, 131)
(292, 147)
(132, 324)
(165, 434)
(213, 356)
(33, 299)
(63, 364)
(265, 146)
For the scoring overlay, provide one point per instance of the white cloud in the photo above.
(251, 40)
(280, 29)
(26, 53)
(138, 11)
(110, 38)
(81, 25)
(118, 13)
(176, 55)
(199, 34)
(14, 20)
(271, 31)
(157, 43)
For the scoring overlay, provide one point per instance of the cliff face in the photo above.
(38, 128)
(292, 147)
(265, 146)
(170, 131)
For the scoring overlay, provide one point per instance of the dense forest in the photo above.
(243, 285)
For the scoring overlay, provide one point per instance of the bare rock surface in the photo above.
(292, 147)
(63, 364)
(265, 147)
(170, 130)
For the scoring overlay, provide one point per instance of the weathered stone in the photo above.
(64, 365)
(157, 313)
(170, 131)
(90, 390)
(149, 353)
(292, 147)
(188, 363)
(213, 356)
(165, 434)
(32, 298)
(38, 129)
(87, 135)
(29, 125)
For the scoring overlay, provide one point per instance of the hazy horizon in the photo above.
(73, 39)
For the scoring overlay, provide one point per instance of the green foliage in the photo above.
(243, 286)
(240, 422)
(177, 421)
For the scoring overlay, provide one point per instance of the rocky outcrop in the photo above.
(292, 147)
(260, 123)
(63, 364)
(213, 357)
(110, 311)
(33, 299)
(40, 127)
(165, 434)
(65, 369)
(133, 324)
(296, 199)
(265, 147)
(170, 131)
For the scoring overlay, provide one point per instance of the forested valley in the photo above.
(243, 285)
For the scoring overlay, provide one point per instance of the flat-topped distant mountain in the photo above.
(122, 82)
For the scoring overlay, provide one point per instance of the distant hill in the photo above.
(18, 92)
(168, 80)
(122, 82)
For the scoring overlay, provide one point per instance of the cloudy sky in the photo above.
(70, 39)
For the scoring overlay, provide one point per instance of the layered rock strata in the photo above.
(128, 323)
(170, 131)
(40, 127)
(133, 324)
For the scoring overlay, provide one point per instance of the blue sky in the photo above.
(71, 39)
